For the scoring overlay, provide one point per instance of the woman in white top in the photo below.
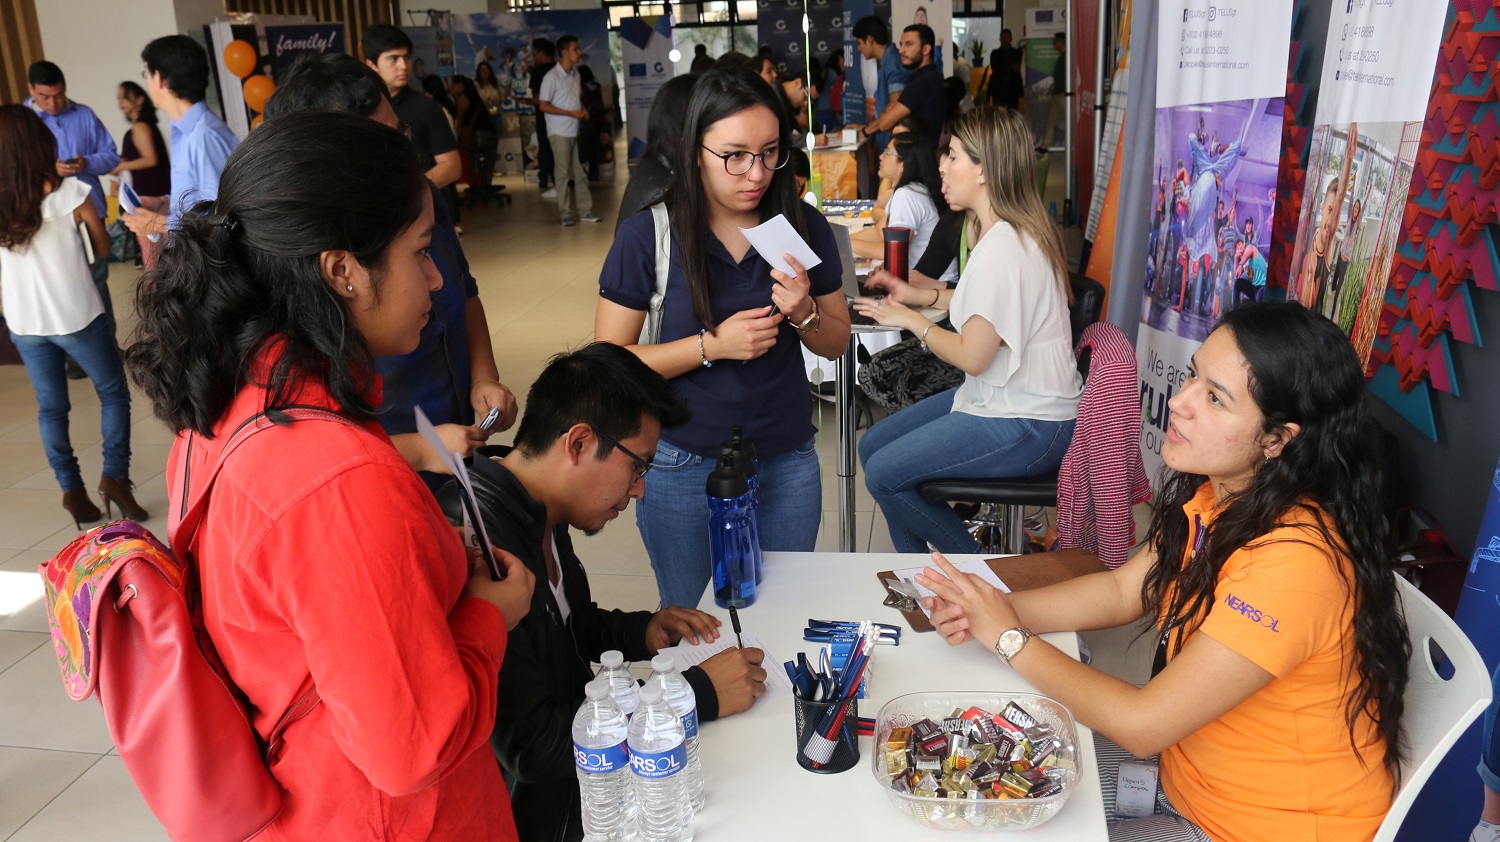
(917, 201)
(53, 309)
(1013, 414)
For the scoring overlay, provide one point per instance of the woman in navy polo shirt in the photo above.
(732, 327)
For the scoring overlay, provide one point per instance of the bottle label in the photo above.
(690, 723)
(660, 764)
(600, 761)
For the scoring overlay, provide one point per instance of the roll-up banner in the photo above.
(1221, 77)
(645, 53)
(856, 72)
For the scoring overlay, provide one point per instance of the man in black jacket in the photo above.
(577, 463)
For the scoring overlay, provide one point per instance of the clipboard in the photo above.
(1019, 573)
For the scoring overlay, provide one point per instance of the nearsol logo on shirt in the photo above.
(1251, 613)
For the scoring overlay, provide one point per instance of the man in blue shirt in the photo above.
(85, 151)
(177, 79)
(874, 41)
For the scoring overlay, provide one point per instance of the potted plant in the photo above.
(976, 50)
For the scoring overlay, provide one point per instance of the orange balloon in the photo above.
(239, 57)
(259, 118)
(258, 89)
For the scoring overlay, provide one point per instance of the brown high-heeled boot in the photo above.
(120, 492)
(82, 509)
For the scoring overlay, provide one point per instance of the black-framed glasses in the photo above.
(739, 163)
(643, 466)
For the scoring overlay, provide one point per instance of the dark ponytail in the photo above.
(245, 269)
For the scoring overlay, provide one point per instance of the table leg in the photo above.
(848, 414)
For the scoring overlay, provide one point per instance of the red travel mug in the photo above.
(897, 247)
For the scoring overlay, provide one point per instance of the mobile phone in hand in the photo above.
(490, 419)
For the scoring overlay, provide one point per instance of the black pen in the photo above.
(734, 619)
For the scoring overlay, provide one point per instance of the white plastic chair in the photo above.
(1437, 711)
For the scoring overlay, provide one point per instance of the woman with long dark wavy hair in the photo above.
(732, 327)
(322, 558)
(916, 201)
(1282, 659)
(53, 309)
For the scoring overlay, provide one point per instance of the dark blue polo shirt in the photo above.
(436, 375)
(769, 394)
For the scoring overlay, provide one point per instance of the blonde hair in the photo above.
(1000, 142)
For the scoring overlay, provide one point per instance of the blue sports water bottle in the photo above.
(731, 535)
(745, 460)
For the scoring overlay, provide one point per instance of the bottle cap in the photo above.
(663, 663)
(651, 692)
(612, 658)
(727, 481)
(596, 689)
(896, 234)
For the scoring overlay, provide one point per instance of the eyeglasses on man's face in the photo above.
(642, 466)
(739, 163)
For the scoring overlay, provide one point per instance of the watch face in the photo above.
(1009, 643)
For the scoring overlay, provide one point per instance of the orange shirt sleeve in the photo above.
(1279, 601)
(369, 576)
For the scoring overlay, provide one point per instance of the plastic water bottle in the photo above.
(622, 686)
(679, 696)
(603, 758)
(658, 761)
(745, 460)
(732, 539)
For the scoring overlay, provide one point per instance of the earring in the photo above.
(350, 287)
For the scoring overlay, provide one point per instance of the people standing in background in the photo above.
(1057, 108)
(543, 59)
(874, 41)
(489, 87)
(52, 308)
(388, 50)
(561, 100)
(831, 101)
(85, 150)
(177, 81)
(435, 89)
(923, 96)
(1006, 86)
(595, 134)
(701, 60)
(143, 154)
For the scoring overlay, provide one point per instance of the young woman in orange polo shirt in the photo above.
(1276, 707)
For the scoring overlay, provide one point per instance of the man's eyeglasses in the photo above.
(643, 466)
(739, 163)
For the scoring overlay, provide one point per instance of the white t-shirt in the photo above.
(48, 289)
(1009, 282)
(563, 90)
(911, 207)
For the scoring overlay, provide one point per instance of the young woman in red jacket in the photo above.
(323, 559)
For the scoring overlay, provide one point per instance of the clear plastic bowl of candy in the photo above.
(1012, 766)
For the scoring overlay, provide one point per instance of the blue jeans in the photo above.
(673, 516)
(93, 348)
(927, 440)
(1489, 761)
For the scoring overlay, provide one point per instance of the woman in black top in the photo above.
(143, 153)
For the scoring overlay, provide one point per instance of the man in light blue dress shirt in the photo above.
(176, 80)
(85, 151)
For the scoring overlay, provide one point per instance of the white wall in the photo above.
(98, 44)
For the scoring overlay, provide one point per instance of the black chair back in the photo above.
(1088, 304)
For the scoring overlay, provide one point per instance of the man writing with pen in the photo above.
(577, 463)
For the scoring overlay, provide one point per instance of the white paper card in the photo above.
(691, 655)
(776, 237)
(473, 530)
(975, 566)
(1136, 796)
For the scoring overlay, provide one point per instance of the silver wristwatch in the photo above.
(1011, 641)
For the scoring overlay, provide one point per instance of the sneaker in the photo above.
(549, 193)
(590, 216)
(569, 222)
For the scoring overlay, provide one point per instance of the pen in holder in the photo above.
(816, 752)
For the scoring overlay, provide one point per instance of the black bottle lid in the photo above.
(743, 450)
(727, 481)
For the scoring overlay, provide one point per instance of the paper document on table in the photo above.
(978, 567)
(776, 237)
(690, 655)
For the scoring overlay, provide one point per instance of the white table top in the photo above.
(754, 786)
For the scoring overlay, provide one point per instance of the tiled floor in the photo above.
(58, 776)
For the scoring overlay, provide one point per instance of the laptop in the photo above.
(852, 288)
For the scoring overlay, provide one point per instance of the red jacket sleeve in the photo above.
(368, 575)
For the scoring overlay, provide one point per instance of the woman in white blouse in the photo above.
(1013, 414)
(54, 311)
(917, 201)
